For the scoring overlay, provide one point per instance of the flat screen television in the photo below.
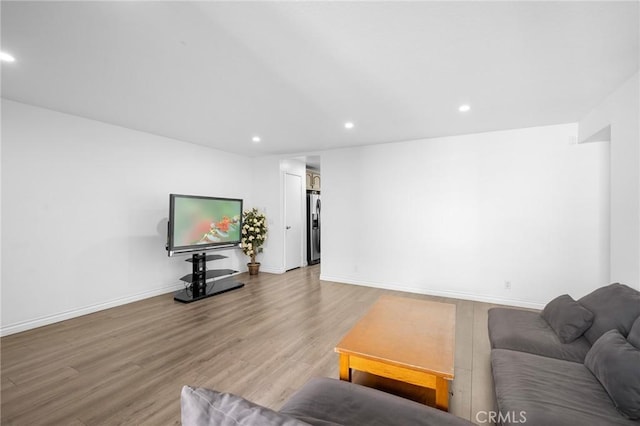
(203, 223)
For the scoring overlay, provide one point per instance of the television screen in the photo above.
(199, 223)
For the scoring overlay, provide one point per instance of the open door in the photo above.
(293, 221)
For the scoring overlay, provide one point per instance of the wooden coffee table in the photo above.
(409, 340)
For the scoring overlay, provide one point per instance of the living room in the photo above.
(532, 193)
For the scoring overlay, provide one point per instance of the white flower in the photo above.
(244, 231)
(251, 229)
(251, 238)
(250, 246)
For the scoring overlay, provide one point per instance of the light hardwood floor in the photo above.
(126, 365)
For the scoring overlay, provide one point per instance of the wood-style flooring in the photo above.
(127, 365)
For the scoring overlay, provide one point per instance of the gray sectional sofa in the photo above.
(320, 402)
(574, 363)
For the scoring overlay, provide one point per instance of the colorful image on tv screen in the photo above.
(206, 221)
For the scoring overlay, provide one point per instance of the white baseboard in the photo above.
(272, 270)
(6, 330)
(432, 292)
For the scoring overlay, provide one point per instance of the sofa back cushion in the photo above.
(616, 365)
(568, 318)
(615, 306)
(330, 402)
(205, 407)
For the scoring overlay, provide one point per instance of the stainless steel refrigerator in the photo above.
(313, 227)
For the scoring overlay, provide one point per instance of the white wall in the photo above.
(84, 212)
(452, 216)
(621, 111)
(268, 198)
(459, 216)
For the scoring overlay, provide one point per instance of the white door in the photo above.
(292, 221)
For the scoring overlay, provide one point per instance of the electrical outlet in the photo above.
(507, 285)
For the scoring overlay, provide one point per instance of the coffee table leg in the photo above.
(345, 371)
(442, 394)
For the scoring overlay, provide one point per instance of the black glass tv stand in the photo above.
(199, 288)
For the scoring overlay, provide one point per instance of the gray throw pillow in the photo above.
(634, 334)
(615, 363)
(615, 306)
(205, 407)
(567, 317)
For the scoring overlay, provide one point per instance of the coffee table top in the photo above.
(410, 333)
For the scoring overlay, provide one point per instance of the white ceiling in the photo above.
(217, 73)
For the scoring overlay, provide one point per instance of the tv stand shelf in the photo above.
(208, 257)
(210, 274)
(198, 287)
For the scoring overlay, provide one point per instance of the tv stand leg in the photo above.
(199, 271)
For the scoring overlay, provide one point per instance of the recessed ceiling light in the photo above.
(256, 139)
(6, 57)
(348, 125)
(464, 108)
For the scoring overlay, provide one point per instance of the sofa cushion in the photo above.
(568, 318)
(205, 407)
(615, 306)
(549, 391)
(325, 401)
(527, 331)
(634, 334)
(616, 364)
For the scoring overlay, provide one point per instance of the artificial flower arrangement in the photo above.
(254, 233)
